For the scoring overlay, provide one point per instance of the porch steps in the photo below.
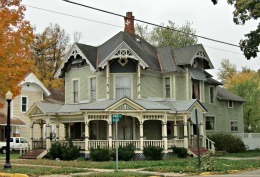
(194, 151)
(34, 154)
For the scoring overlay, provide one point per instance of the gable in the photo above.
(76, 52)
(122, 51)
(125, 104)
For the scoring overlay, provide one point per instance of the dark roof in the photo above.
(224, 94)
(90, 52)
(197, 74)
(56, 96)
(143, 49)
(166, 58)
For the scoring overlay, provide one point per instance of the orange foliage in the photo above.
(16, 36)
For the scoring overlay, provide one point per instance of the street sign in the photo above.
(116, 117)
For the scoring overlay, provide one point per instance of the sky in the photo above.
(212, 21)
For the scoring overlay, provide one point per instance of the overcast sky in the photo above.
(210, 21)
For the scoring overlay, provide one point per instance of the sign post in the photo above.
(116, 118)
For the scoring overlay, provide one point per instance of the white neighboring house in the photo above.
(32, 90)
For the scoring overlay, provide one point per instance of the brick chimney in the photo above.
(129, 23)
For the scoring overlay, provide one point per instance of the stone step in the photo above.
(33, 154)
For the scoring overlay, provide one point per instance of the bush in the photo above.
(125, 153)
(99, 154)
(180, 151)
(64, 151)
(208, 161)
(227, 142)
(153, 152)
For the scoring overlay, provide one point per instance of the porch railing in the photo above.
(98, 143)
(158, 143)
(136, 143)
(208, 144)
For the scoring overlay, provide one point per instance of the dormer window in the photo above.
(230, 104)
(75, 91)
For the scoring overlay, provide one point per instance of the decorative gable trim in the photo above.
(123, 51)
(199, 106)
(73, 52)
(38, 112)
(201, 53)
(125, 104)
(35, 110)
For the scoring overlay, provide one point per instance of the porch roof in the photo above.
(173, 106)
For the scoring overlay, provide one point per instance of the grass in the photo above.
(173, 164)
(116, 174)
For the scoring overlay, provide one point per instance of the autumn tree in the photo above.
(172, 35)
(49, 48)
(246, 84)
(16, 37)
(226, 70)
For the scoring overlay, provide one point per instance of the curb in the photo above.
(13, 175)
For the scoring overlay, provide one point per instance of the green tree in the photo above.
(226, 70)
(49, 48)
(246, 84)
(166, 37)
(246, 10)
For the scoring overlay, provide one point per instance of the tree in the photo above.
(226, 70)
(16, 37)
(160, 37)
(246, 85)
(48, 50)
(246, 10)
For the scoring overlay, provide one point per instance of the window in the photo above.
(210, 123)
(211, 94)
(75, 91)
(230, 104)
(195, 89)
(24, 103)
(167, 87)
(234, 126)
(123, 86)
(93, 88)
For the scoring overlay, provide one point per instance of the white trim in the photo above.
(89, 88)
(31, 78)
(123, 45)
(69, 54)
(21, 101)
(201, 48)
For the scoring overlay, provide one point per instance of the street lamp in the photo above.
(8, 97)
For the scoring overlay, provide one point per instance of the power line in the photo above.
(109, 24)
(82, 18)
(149, 23)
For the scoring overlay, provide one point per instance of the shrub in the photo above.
(227, 142)
(180, 151)
(125, 153)
(153, 152)
(64, 151)
(99, 154)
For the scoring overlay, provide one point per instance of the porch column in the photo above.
(48, 140)
(86, 121)
(185, 132)
(201, 128)
(110, 134)
(41, 129)
(165, 135)
(57, 131)
(86, 136)
(31, 136)
(65, 131)
(191, 134)
(141, 136)
(175, 132)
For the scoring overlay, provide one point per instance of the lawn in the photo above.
(173, 164)
(251, 153)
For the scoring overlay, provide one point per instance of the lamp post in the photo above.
(8, 96)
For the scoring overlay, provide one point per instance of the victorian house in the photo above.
(156, 90)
